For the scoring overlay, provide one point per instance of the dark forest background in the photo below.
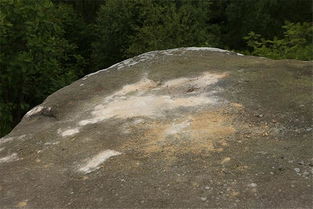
(47, 44)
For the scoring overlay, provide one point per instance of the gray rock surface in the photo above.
(190, 127)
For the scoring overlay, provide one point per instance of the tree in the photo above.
(115, 22)
(79, 34)
(296, 43)
(128, 28)
(35, 58)
(173, 25)
(265, 17)
(85, 8)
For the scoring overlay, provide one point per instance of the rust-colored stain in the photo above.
(197, 132)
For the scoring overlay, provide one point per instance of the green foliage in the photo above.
(265, 17)
(78, 34)
(35, 57)
(115, 22)
(86, 8)
(296, 43)
(128, 28)
(169, 26)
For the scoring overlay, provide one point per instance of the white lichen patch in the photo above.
(34, 111)
(21, 137)
(176, 82)
(151, 55)
(70, 132)
(95, 162)
(143, 106)
(59, 131)
(136, 100)
(211, 49)
(9, 158)
(6, 139)
(138, 121)
(142, 85)
(176, 128)
(52, 143)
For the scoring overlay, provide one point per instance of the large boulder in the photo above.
(189, 127)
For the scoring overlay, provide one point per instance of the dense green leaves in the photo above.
(35, 58)
(264, 17)
(128, 28)
(116, 21)
(170, 26)
(296, 43)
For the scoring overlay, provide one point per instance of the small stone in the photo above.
(203, 198)
(297, 170)
(234, 194)
(252, 185)
(21, 204)
(265, 134)
(207, 187)
(297, 131)
(226, 160)
(301, 163)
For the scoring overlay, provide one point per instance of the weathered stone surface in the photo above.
(192, 127)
